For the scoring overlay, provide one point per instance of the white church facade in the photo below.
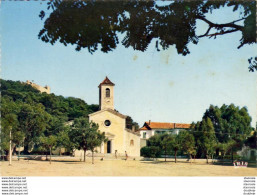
(121, 140)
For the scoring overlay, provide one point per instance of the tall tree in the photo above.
(85, 135)
(49, 143)
(207, 138)
(237, 121)
(187, 143)
(33, 121)
(166, 142)
(237, 124)
(95, 139)
(252, 140)
(10, 125)
(232, 126)
(130, 123)
(176, 145)
(154, 141)
(224, 148)
(215, 114)
(64, 140)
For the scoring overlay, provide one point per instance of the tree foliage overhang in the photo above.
(96, 24)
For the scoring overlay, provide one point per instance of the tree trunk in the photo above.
(165, 154)
(8, 155)
(92, 157)
(3, 154)
(190, 158)
(72, 152)
(85, 155)
(10, 149)
(50, 155)
(232, 156)
(175, 156)
(14, 150)
(207, 158)
(26, 146)
(19, 152)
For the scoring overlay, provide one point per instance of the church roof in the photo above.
(106, 81)
(157, 125)
(130, 131)
(111, 111)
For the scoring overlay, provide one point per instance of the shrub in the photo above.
(150, 151)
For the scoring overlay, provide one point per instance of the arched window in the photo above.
(107, 92)
(132, 142)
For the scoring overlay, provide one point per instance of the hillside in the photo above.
(57, 106)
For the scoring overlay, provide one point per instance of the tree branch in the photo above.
(219, 26)
(205, 34)
(215, 34)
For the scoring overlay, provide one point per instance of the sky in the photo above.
(157, 86)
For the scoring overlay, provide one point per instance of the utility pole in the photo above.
(10, 148)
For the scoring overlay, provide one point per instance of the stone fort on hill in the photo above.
(45, 89)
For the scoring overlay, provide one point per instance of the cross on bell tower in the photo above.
(106, 94)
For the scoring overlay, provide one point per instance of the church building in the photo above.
(113, 123)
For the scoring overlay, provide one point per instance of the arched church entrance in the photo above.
(108, 147)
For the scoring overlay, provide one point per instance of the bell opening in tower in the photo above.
(107, 92)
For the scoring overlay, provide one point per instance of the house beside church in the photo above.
(113, 123)
(150, 129)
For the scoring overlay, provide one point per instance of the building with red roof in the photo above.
(152, 128)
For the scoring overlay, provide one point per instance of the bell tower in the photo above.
(106, 94)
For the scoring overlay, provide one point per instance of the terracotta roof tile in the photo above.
(158, 125)
(143, 128)
(106, 81)
(182, 125)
